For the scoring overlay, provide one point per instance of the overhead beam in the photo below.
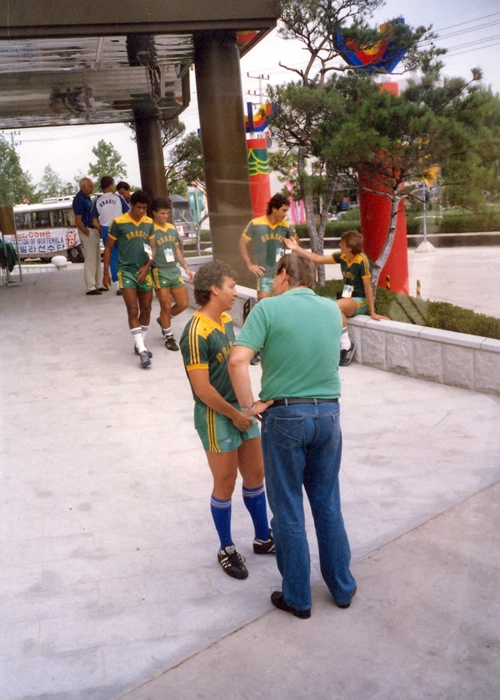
(28, 19)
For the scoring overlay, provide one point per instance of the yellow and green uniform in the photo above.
(207, 345)
(354, 273)
(165, 268)
(268, 244)
(133, 240)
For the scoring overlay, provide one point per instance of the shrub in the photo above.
(413, 225)
(434, 314)
(333, 229)
(470, 223)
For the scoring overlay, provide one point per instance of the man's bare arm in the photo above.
(256, 270)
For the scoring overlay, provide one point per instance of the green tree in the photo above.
(184, 165)
(393, 140)
(109, 162)
(52, 185)
(302, 105)
(15, 184)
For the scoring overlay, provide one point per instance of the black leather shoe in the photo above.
(345, 605)
(102, 289)
(93, 293)
(279, 602)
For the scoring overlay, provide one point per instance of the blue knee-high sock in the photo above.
(255, 501)
(221, 513)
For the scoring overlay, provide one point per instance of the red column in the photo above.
(258, 168)
(375, 213)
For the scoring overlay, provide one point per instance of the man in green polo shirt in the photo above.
(301, 437)
(134, 235)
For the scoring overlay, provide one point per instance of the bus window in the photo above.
(41, 219)
(61, 218)
(23, 221)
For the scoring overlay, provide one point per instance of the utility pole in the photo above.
(13, 141)
(260, 93)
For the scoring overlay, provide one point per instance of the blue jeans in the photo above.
(302, 446)
(113, 263)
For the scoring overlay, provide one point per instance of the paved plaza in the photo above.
(109, 583)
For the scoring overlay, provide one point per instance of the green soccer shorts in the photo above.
(362, 305)
(129, 280)
(218, 433)
(167, 277)
(265, 284)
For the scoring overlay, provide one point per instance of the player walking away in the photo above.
(357, 294)
(167, 279)
(231, 440)
(123, 189)
(267, 233)
(134, 236)
(106, 207)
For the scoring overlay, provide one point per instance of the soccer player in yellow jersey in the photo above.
(133, 234)
(167, 277)
(230, 439)
(267, 234)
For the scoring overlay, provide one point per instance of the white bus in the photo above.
(46, 229)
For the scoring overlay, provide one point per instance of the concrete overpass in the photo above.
(96, 62)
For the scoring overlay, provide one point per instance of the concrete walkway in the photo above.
(109, 585)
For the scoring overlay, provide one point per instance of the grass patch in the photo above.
(433, 314)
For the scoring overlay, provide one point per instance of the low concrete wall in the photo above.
(244, 293)
(456, 359)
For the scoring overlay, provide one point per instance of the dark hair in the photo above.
(123, 186)
(301, 271)
(208, 275)
(276, 202)
(139, 197)
(353, 240)
(106, 182)
(160, 203)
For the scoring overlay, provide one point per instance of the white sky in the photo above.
(469, 30)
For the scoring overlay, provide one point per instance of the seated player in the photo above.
(357, 294)
(134, 237)
(230, 438)
(167, 277)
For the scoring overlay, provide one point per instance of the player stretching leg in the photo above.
(357, 294)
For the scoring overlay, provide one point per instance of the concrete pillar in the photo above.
(150, 152)
(220, 104)
(141, 51)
